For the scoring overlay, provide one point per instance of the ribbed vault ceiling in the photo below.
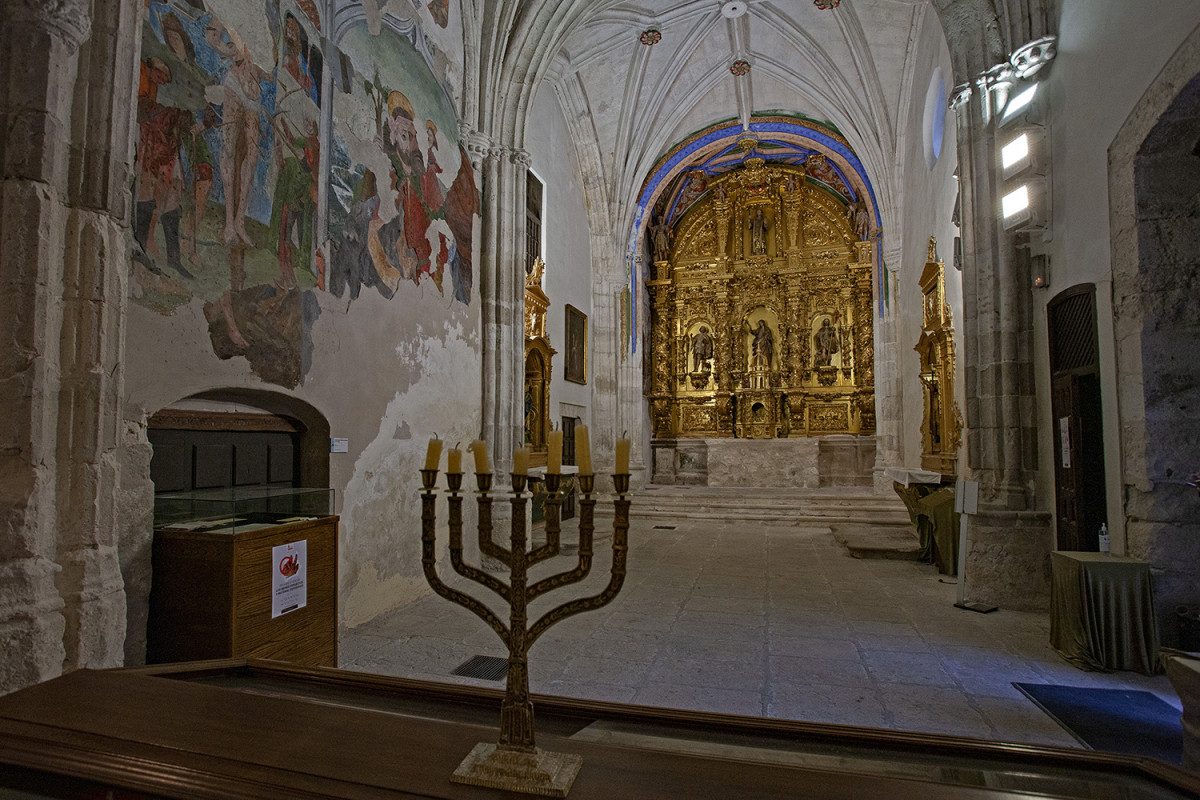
(846, 66)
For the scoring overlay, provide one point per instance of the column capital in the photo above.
(477, 144)
(519, 157)
(70, 21)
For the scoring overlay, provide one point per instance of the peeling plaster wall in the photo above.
(927, 197)
(388, 360)
(566, 242)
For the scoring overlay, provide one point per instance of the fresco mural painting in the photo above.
(396, 214)
(229, 168)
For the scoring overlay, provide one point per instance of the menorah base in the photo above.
(498, 767)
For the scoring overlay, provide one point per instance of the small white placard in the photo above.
(1064, 435)
(289, 577)
(339, 445)
(966, 496)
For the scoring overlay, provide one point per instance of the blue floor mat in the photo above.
(1114, 720)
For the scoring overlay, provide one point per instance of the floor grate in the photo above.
(664, 527)
(485, 668)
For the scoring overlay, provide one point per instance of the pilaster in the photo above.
(38, 52)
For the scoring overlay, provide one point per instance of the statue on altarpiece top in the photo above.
(660, 240)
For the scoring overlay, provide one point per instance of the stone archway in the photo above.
(1154, 178)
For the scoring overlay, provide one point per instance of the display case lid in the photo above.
(239, 509)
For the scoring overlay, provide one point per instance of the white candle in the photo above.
(583, 450)
(554, 457)
(454, 461)
(521, 461)
(434, 454)
(479, 447)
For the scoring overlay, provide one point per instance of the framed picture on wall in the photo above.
(575, 366)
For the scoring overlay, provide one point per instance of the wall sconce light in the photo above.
(1040, 267)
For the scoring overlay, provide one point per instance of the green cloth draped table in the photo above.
(1102, 612)
(937, 524)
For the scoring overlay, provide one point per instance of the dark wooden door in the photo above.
(1080, 495)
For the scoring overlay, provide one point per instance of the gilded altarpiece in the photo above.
(941, 425)
(761, 318)
(539, 356)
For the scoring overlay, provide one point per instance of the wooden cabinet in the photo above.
(212, 594)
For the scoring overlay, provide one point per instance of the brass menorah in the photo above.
(515, 763)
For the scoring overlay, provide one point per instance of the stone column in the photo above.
(889, 405)
(38, 51)
(95, 287)
(1009, 538)
(502, 290)
(607, 376)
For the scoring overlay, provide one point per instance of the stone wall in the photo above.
(1008, 560)
(803, 463)
(1154, 177)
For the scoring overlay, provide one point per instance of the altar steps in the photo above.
(867, 524)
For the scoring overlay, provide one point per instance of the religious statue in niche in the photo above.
(825, 344)
(758, 232)
(763, 345)
(702, 350)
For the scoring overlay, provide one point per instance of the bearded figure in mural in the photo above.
(403, 198)
(403, 237)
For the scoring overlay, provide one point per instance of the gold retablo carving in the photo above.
(761, 322)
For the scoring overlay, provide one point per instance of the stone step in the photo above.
(879, 541)
(778, 506)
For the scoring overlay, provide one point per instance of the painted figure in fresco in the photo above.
(460, 208)
(825, 344)
(758, 232)
(412, 248)
(763, 346)
(160, 180)
(431, 184)
(702, 350)
(300, 61)
(440, 9)
(241, 126)
(295, 201)
(186, 91)
(429, 230)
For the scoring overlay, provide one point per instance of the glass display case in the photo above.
(220, 588)
(239, 509)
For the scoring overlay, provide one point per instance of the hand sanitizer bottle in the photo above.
(1105, 540)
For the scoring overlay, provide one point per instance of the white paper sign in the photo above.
(1064, 434)
(289, 577)
(339, 445)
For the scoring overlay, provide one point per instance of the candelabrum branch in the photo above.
(487, 545)
(454, 504)
(552, 508)
(616, 580)
(586, 528)
(429, 565)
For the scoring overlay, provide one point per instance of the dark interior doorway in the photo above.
(1080, 496)
(214, 450)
